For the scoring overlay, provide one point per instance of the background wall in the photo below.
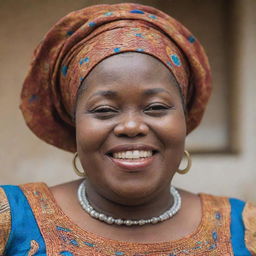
(24, 158)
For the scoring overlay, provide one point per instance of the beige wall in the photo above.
(24, 158)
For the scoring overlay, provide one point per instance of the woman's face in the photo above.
(130, 128)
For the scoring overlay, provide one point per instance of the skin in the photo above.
(130, 99)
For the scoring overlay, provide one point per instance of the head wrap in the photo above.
(82, 39)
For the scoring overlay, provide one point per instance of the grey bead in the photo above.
(92, 213)
(128, 222)
(142, 222)
(119, 222)
(110, 220)
(154, 220)
(101, 216)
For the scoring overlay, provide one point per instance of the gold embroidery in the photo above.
(5, 220)
(34, 248)
(249, 217)
(61, 235)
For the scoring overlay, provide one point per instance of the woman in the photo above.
(121, 85)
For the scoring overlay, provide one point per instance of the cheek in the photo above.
(173, 134)
(172, 130)
(90, 134)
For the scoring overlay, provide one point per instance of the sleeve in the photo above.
(249, 218)
(5, 220)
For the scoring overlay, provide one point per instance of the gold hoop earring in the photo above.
(189, 163)
(79, 173)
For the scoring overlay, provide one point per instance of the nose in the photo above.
(131, 125)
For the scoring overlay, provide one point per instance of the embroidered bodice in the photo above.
(31, 222)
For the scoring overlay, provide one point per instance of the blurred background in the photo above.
(223, 147)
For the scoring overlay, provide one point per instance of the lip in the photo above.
(133, 165)
(136, 164)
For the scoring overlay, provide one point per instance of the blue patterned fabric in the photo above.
(23, 220)
(237, 228)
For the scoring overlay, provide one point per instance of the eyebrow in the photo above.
(114, 94)
(154, 91)
(107, 93)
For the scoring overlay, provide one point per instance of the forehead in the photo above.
(123, 70)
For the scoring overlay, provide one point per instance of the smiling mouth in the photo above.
(133, 160)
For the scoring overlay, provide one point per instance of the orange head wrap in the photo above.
(82, 39)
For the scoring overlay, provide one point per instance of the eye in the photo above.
(104, 112)
(157, 109)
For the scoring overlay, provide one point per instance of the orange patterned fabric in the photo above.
(82, 39)
(249, 218)
(5, 220)
(212, 237)
(34, 248)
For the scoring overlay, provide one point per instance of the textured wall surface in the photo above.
(24, 158)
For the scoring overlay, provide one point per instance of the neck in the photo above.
(144, 208)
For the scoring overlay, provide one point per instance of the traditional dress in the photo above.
(31, 223)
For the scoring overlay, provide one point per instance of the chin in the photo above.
(133, 192)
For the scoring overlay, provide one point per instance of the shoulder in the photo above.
(234, 206)
(249, 219)
(242, 219)
(5, 220)
(17, 221)
(16, 194)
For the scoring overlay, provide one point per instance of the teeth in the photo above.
(135, 154)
